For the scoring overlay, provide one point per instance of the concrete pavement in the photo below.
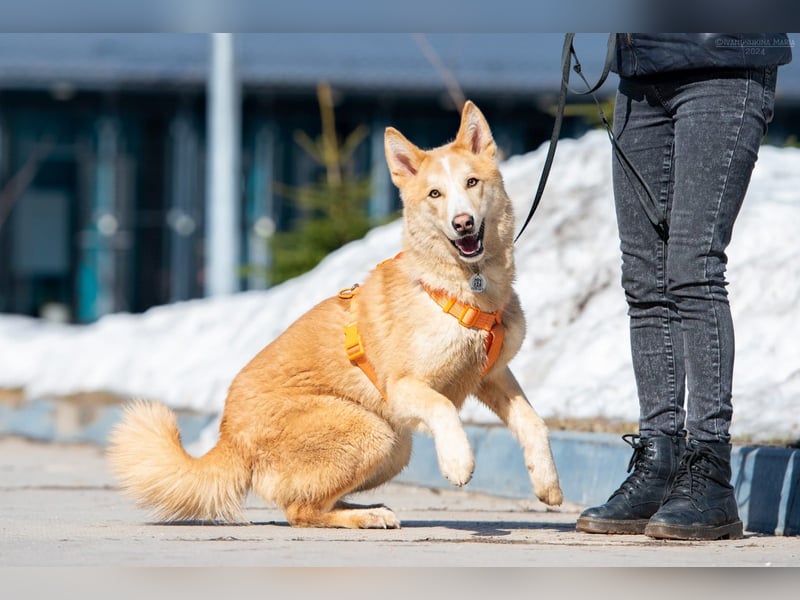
(766, 479)
(59, 507)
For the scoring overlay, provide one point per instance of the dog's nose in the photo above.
(463, 223)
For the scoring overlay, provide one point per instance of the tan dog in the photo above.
(304, 426)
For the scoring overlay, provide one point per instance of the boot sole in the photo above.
(662, 531)
(611, 526)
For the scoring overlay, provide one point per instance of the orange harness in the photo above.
(466, 314)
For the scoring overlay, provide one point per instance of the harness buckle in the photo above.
(352, 343)
(469, 316)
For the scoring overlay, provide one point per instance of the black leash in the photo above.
(566, 61)
(568, 53)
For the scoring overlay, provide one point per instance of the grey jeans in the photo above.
(694, 137)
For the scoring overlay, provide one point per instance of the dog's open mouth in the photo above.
(470, 246)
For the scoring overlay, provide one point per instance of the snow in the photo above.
(575, 362)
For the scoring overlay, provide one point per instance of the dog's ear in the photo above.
(474, 133)
(403, 157)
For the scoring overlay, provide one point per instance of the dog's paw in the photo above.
(457, 469)
(546, 487)
(550, 495)
(378, 518)
(453, 451)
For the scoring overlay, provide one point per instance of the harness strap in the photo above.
(473, 317)
(467, 316)
(353, 345)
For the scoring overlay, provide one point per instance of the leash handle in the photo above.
(611, 46)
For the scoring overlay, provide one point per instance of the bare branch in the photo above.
(20, 181)
(450, 81)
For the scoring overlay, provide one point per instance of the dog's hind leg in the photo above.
(357, 516)
(395, 462)
(501, 392)
(342, 515)
(390, 468)
(325, 451)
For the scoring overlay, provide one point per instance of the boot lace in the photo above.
(694, 471)
(638, 465)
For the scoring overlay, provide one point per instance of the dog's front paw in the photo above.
(455, 455)
(457, 469)
(546, 486)
(550, 494)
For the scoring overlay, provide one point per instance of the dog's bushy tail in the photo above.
(151, 465)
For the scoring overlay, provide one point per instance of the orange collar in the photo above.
(466, 315)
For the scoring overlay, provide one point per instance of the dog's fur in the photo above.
(303, 427)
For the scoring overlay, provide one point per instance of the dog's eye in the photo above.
(434, 193)
(472, 182)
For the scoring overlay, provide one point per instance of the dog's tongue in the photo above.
(469, 244)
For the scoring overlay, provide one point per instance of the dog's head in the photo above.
(453, 194)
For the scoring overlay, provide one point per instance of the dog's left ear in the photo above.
(474, 132)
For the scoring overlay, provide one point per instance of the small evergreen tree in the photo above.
(333, 209)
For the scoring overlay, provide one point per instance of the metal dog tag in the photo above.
(477, 283)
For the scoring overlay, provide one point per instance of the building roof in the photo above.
(507, 64)
(504, 64)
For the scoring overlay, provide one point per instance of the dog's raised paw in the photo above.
(458, 471)
(550, 494)
(545, 484)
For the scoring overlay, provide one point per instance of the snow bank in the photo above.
(575, 362)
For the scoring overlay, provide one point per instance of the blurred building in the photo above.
(103, 144)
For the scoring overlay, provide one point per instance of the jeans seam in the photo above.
(717, 349)
(667, 329)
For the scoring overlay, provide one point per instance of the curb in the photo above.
(590, 465)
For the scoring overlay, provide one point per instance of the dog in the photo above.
(329, 407)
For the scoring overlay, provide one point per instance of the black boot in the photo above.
(701, 504)
(654, 464)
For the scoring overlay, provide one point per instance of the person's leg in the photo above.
(644, 129)
(719, 124)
